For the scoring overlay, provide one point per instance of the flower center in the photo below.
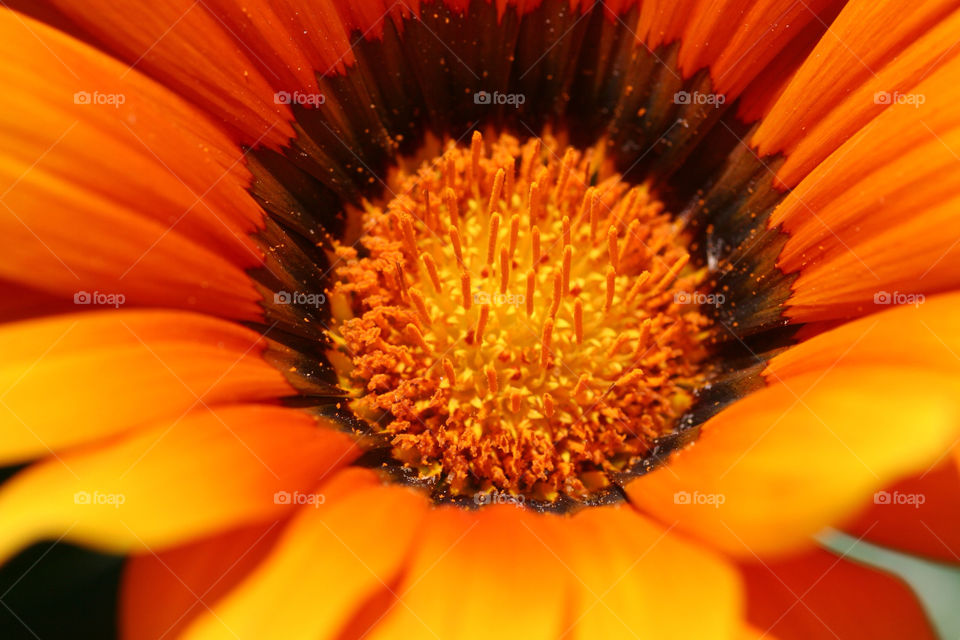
(518, 320)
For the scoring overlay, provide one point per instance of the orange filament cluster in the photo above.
(513, 322)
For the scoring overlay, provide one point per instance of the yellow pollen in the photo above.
(450, 199)
(531, 284)
(581, 385)
(621, 339)
(637, 286)
(492, 242)
(451, 171)
(534, 204)
(504, 386)
(612, 245)
(492, 386)
(514, 233)
(632, 234)
(546, 337)
(642, 339)
(476, 148)
(481, 324)
(504, 269)
(431, 267)
(495, 193)
(449, 371)
(585, 206)
(428, 210)
(465, 291)
(535, 247)
(548, 407)
(414, 333)
(455, 243)
(557, 294)
(668, 278)
(611, 288)
(567, 262)
(406, 222)
(594, 215)
(578, 320)
(420, 303)
(564, 173)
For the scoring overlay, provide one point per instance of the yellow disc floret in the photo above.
(514, 320)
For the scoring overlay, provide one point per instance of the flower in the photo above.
(458, 319)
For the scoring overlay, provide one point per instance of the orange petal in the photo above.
(191, 50)
(924, 337)
(181, 479)
(632, 576)
(800, 434)
(109, 182)
(781, 464)
(325, 565)
(821, 595)
(827, 99)
(875, 220)
(74, 378)
(480, 574)
(736, 39)
(662, 21)
(917, 515)
(162, 593)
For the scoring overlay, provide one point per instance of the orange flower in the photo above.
(469, 319)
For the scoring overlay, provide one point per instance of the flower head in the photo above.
(461, 318)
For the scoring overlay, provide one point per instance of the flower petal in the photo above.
(188, 48)
(736, 39)
(162, 593)
(917, 515)
(633, 577)
(75, 378)
(508, 579)
(109, 182)
(821, 595)
(357, 540)
(602, 573)
(848, 412)
(876, 217)
(871, 46)
(182, 479)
